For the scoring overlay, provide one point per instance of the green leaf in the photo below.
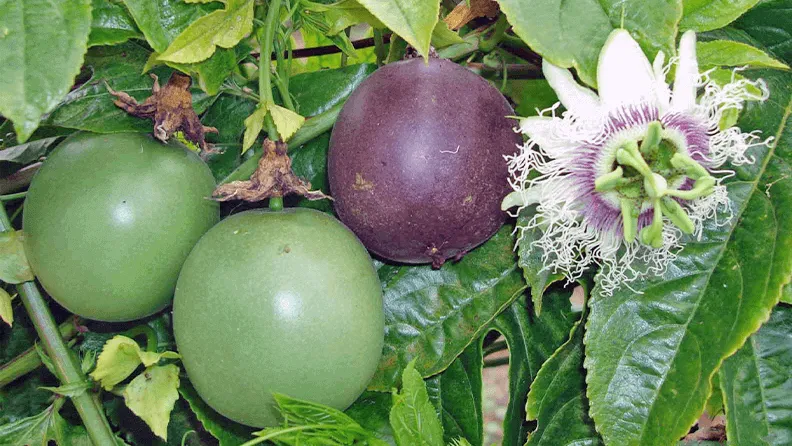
(413, 20)
(530, 95)
(23, 398)
(572, 33)
(223, 28)
(443, 36)
(151, 396)
(6, 310)
(40, 429)
(531, 262)
(757, 385)
(770, 23)
(41, 47)
(90, 107)
(714, 404)
(14, 267)
(224, 430)
(371, 411)
(28, 152)
(319, 91)
(705, 15)
(456, 393)
(557, 400)
(786, 294)
(727, 53)
(71, 390)
(412, 417)
(286, 121)
(434, 314)
(346, 13)
(120, 357)
(650, 356)
(531, 340)
(111, 24)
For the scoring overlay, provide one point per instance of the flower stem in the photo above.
(66, 367)
(29, 360)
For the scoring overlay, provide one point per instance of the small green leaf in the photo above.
(111, 24)
(45, 359)
(286, 121)
(14, 267)
(223, 28)
(29, 151)
(443, 36)
(6, 310)
(706, 15)
(412, 20)
(71, 389)
(727, 53)
(120, 357)
(152, 395)
(757, 385)
(412, 417)
(532, 263)
(42, 43)
(253, 125)
(42, 428)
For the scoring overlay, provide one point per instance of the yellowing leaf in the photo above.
(6, 312)
(14, 267)
(224, 28)
(286, 121)
(253, 125)
(120, 357)
(151, 396)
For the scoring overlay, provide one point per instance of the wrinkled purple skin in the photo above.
(416, 161)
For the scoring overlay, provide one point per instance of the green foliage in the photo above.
(571, 34)
(757, 385)
(14, 267)
(650, 356)
(412, 417)
(224, 430)
(42, 47)
(726, 53)
(120, 357)
(769, 23)
(432, 315)
(706, 15)
(6, 310)
(111, 24)
(413, 20)
(531, 262)
(39, 429)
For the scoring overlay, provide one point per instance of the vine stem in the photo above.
(496, 362)
(265, 65)
(30, 360)
(66, 367)
(11, 197)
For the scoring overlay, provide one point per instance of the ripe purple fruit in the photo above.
(416, 161)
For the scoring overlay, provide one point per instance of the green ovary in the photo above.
(642, 176)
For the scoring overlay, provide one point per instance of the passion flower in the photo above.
(619, 177)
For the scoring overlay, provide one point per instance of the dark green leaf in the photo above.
(727, 53)
(432, 315)
(531, 262)
(456, 393)
(412, 417)
(715, 402)
(705, 15)
(371, 411)
(318, 91)
(650, 356)
(770, 23)
(531, 96)
(27, 152)
(413, 20)
(24, 398)
(531, 339)
(224, 430)
(571, 34)
(90, 107)
(557, 400)
(38, 429)
(41, 49)
(111, 24)
(758, 385)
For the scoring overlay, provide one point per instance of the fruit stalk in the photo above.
(29, 360)
(265, 65)
(66, 367)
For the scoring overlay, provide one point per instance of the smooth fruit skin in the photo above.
(278, 302)
(110, 219)
(416, 160)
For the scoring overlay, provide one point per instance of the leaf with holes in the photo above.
(757, 385)
(652, 348)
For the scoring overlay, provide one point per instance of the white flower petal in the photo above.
(624, 75)
(548, 133)
(662, 92)
(577, 99)
(687, 74)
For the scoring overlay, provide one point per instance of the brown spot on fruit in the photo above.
(361, 184)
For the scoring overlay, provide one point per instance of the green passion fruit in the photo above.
(416, 161)
(278, 302)
(110, 219)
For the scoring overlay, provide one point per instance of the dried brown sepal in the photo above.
(462, 13)
(171, 109)
(273, 178)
